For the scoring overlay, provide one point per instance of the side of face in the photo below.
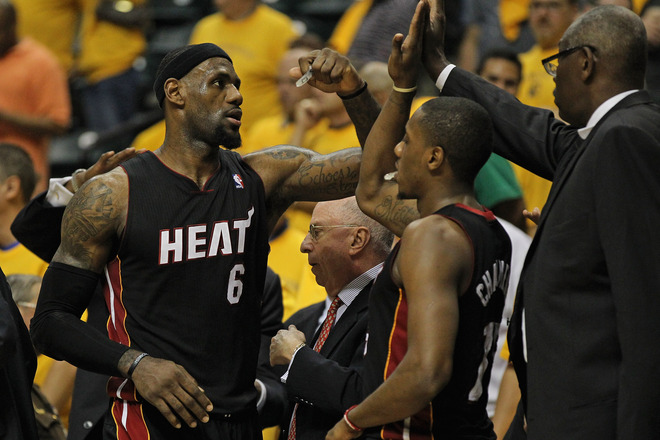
(329, 255)
(212, 102)
(503, 73)
(410, 153)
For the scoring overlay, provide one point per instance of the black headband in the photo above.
(177, 63)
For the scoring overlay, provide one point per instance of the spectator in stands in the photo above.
(53, 23)
(111, 40)
(483, 32)
(548, 20)
(279, 129)
(34, 96)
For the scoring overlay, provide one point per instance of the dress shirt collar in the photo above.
(350, 292)
(602, 111)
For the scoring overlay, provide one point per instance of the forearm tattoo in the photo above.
(335, 174)
(391, 210)
(364, 111)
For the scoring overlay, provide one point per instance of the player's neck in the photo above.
(431, 203)
(198, 164)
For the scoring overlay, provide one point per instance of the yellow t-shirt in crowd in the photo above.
(346, 28)
(19, 260)
(536, 89)
(53, 23)
(106, 49)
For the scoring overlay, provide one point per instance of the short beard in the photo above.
(228, 140)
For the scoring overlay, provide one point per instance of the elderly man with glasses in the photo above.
(589, 287)
(323, 344)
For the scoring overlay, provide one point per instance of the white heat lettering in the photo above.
(241, 226)
(168, 245)
(196, 243)
(496, 278)
(220, 235)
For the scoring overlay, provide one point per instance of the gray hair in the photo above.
(619, 37)
(381, 237)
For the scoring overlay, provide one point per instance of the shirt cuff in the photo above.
(285, 376)
(57, 195)
(262, 397)
(442, 78)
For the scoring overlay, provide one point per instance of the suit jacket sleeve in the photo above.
(528, 136)
(323, 382)
(627, 192)
(272, 310)
(38, 227)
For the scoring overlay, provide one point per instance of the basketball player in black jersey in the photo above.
(435, 308)
(179, 237)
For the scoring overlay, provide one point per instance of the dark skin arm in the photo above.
(333, 72)
(294, 174)
(33, 125)
(433, 277)
(93, 221)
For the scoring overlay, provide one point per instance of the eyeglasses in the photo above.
(314, 230)
(551, 68)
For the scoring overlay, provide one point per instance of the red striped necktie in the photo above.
(325, 331)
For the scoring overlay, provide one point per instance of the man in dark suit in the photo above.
(590, 282)
(345, 249)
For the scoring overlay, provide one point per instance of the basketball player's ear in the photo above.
(173, 91)
(360, 239)
(436, 157)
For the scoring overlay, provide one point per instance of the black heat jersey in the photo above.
(187, 281)
(459, 410)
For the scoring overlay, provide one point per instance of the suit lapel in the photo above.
(347, 321)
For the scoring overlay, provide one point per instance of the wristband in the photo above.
(350, 424)
(135, 363)
(404, 90)
(74, 182)
(356, 93)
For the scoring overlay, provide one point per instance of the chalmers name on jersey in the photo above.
(459, 410)
(187, 280)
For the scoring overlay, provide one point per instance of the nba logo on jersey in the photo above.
(238, 181)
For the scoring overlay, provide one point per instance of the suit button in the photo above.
(88, 424)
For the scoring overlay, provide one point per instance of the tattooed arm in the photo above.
(294, 174)
(89, 228)
(376, 196)
(92, 224)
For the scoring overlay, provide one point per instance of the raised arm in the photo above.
(294, 174)
(376, 196)
(334, 73)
